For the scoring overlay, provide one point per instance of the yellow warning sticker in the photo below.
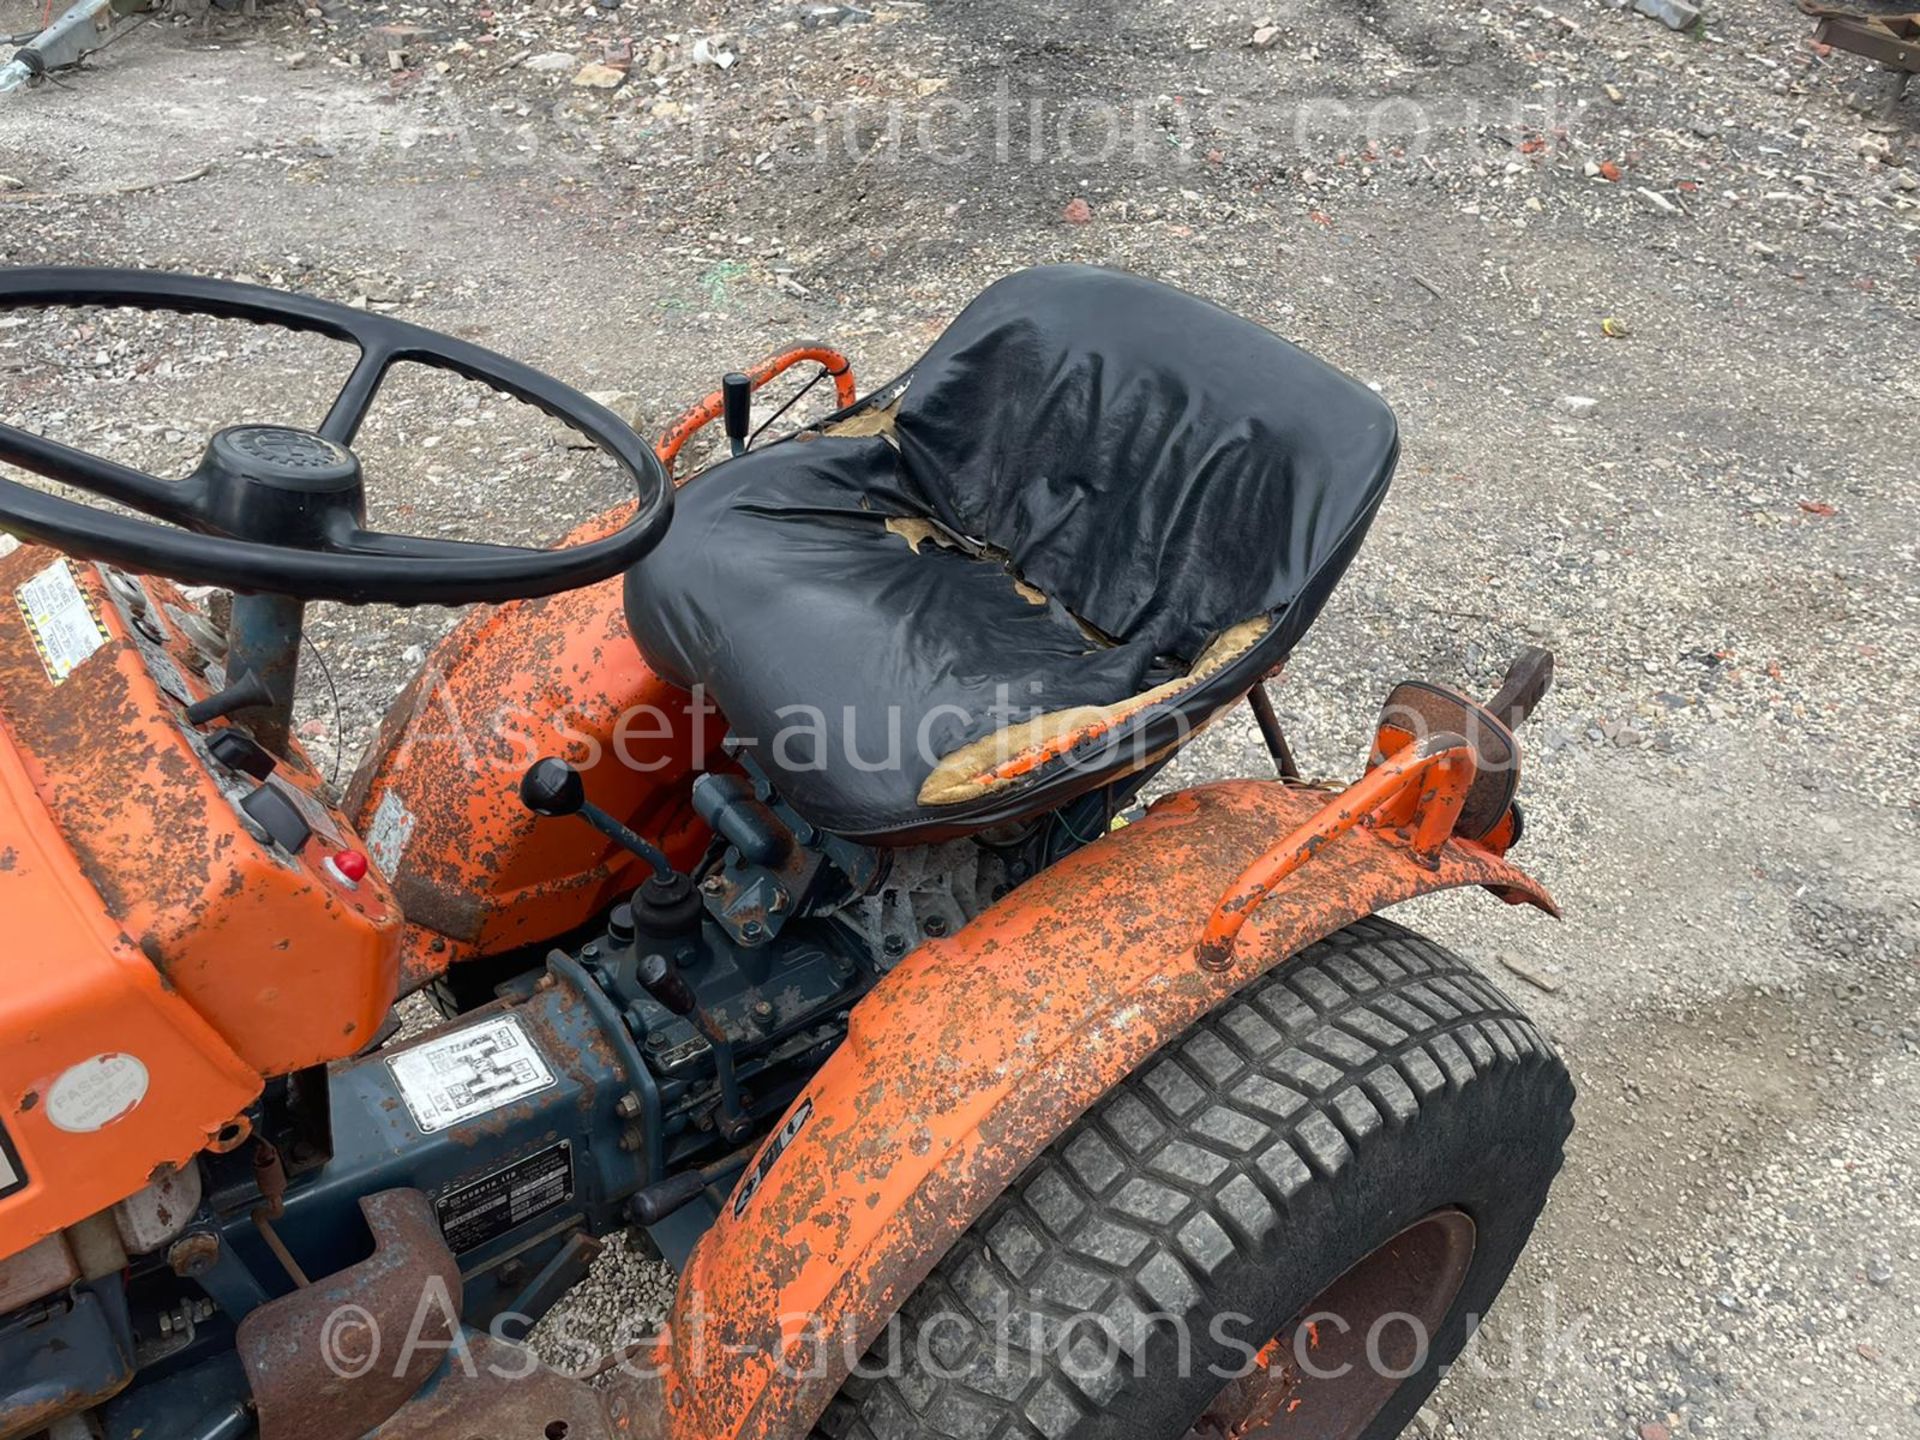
(65, 629)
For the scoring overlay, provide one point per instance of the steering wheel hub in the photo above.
(280, 454)
(279, 485)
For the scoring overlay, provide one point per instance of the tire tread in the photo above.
(1202, 1150)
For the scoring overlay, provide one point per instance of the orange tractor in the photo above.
(780, 876)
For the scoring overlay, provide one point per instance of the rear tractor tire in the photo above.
(1313, 1193)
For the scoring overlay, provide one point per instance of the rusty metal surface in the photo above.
(476, 872)
(289, 967)
(498, 1391)
(81, 1364)
(1426, 780)
(300, 1351)
(969, 1058)
(104, 998)
(478, 875)
(1893, 40)
(1315, 1378)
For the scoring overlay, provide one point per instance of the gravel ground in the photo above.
(1644, 301)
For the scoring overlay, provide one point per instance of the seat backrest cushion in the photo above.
(1162, 467)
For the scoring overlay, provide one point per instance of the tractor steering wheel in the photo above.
(277, 510)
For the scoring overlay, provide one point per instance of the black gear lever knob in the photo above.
(736, 399)
(663, 980)
(553, 788)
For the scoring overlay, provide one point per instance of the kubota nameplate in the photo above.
(484, 1209)
(469, 1072)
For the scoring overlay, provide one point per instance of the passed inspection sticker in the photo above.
(65, 629)
(469, 1072)
(389, 833)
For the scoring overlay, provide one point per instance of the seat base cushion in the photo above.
(854, 647)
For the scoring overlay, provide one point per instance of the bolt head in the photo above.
(193, 1255)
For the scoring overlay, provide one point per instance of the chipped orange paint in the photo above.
(509, 685)
(977, 1051)
(1413, 797)
(711, 407)
(147, 923)
(288, 964)
(80, 988)
(479, 874)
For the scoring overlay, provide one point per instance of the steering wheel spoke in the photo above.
(356, 397)
(178, 502)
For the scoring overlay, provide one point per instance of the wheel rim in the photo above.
(1331, 1370)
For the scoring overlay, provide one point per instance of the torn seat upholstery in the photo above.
(1093, 514)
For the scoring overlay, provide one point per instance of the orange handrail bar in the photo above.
(709, 409)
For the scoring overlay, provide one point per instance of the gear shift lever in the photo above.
(553, 788)
(736, 400)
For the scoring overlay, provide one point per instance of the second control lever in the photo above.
(662, 979)
(736, 412)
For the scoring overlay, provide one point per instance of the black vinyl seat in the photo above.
(1093, 514)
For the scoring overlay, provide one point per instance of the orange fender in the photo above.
(964, 1063)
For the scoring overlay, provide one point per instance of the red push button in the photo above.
(349, 865)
